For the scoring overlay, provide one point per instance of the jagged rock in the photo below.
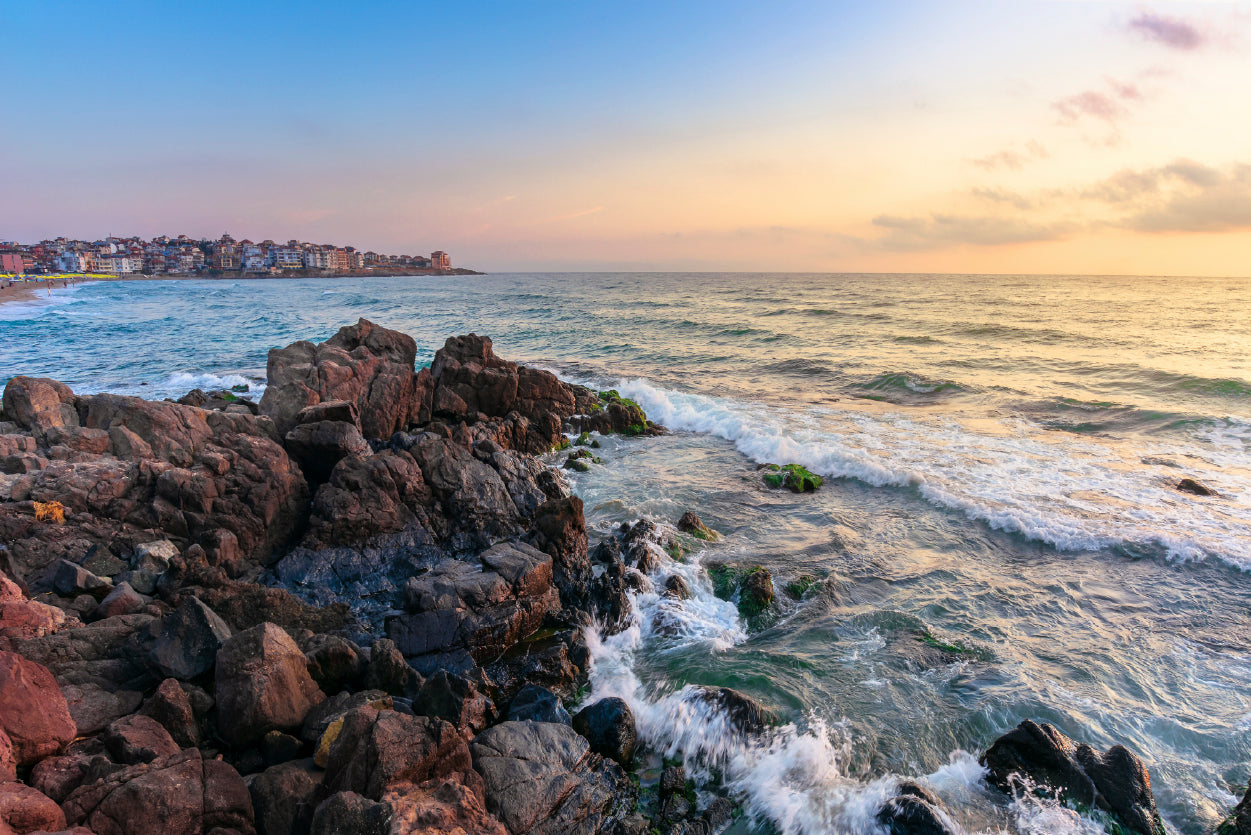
(71, 580)
(1115, 781)
(283, 796)
(344, 411)
(609, 726)
(262, 684)
(245, 605)
(182, 794)
(543, 778)
(8, 763)
(23, 810)
(457, 606)
(171, 706)
(137, 739)
(93, 707)
(388, 671)
(677, 587)
(333, 662)
(1239, 820)
(33, 712)
(108, 653)
(560, 530)
(364, 364)
(746, 714)
(122, 600)
(39, 404)
(538, 704)
(25, 619)
(440, 806)
(377, 749)
(318, 447)
(349, 812)
(455, 699)
(188, 640)
(692, 524)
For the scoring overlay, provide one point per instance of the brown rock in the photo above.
(560, 530)
(263, 684)
(138, 739)
(283, 795)
(317, 447)
(39, 404)
(8, 764)
(25, 810)
(33, 711)
(122, 600)
(93, 707)
(439, 806)
(171, 706)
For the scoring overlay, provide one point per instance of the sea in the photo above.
(1001, 457)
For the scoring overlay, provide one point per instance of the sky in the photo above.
(1003, 136)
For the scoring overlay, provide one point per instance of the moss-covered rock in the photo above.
(753, 585)
(693, 525)
(583, 440)
(794, 477)
(798, 587)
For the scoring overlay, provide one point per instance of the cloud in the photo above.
(911, 234)
(1003, 196)
(1183, 196)
(1012, 159)
(1108, 107)
(1129, 185)
(1172, 32)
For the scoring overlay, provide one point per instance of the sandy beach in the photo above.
(21, 291)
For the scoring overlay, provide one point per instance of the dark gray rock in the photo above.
(283, 795)
(456, 699)
(610, 728)
(349, 812)
(538, 704)
(187, 640)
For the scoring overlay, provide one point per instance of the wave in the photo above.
(1084, 495)
(903, 387)
(918, 340)
(184, 381)
(800, 367)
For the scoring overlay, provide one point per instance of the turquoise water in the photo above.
(1001, 453)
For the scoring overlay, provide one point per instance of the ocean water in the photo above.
(1001, 457)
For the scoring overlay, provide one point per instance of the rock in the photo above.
(188, 640)
(122, 600)
(39, 404)
(57, 777)
(23, 810)
(262, 684)
(1239, 820)
(349, 812)
(542, 777)
(25, 619)
(377, 749)
(8, 764)
(277, 747)
(746, 714)
(916, 811)
(155, 556)
(336, 707)
(672, 781)
(677, 587)
(690, 523)
(791, 476)
(755, 592)
(560, 530)
(455, 699)
(457, 606)
(366, 365)
(336, 410)
(440, 806)
(182, 794)
(282, 795)
(1189, 485)
(141, 580)
(33, 712)
(538, 704)
(108, 653)
(92, 707)
(609, 726)
(318, 447)
(138, 739)
(1115, 782)
(333, 662)
(388, 671)
(99, 560)
(171, 707)
(71, 580)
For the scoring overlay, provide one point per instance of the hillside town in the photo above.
(182, 255)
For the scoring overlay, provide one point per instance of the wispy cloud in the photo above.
(1183, 196)
(1172, 32)
(1012, 159)
(1109, 106)
(910, 234)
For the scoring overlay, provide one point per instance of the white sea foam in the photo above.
(1076, 493)
(182, 382)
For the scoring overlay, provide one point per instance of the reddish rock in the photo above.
(122, 600)
(366, 365)
(33, 711)
(171, 706)
(39, 404)
(560, 530)
(24, 810)
(93, 707)
(137, 739)
(182, 794)
(22, 618)
(366, 497)
(58, 776)
(8, 764)
(263, 684)
(440, 806)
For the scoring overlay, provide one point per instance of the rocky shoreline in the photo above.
(359, 605)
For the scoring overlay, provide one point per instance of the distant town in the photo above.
(188, 256)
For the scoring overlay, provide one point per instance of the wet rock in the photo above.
(1189, 485)
(793, 477)
(93, 707)
(1115, 781)
(556, 661)
(262, 684)
(692, 524)
(538, 704)
(914, 810)
(23, 810)
(542, 777)
(122, 600)
(171, 707)
(182, 794)
(33, 712)
(755, 592)
(609, 726)
(283, 796)
(374, 750)
(1239, 820)
(188, 640)
(455, 699)
(676, 587)
(366, 365)
(672, 781)
(388, 671)
(746, 714)
(349, 812)
(318, 447)
(137, 739)
(483, 612)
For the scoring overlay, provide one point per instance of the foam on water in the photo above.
(1083, 494)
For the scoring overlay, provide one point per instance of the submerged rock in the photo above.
(1189, 485)
(1115, 782)
(793, 477)
(746, 714)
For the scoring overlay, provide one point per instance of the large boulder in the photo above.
(610, 728)
(33, 711)
(94, 707)
(137, 739)
(283, 797)
(349, 812)
(263, 684)
(108, 653)
(456, 699)
(479, 609)
(543, 778)
(182, 794)
(318, 447)
(1115, 781)
(560, 530)
(171, 707)
(23, 810)
(188, 639)
(440, 806)
(364, 364)
(375, 750)
(39, 404)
